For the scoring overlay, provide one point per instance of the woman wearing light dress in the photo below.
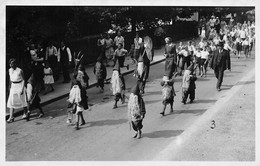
(17, 96)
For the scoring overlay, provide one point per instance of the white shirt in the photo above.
(184, 53)
(245, 42)
(198, 54)
(242, 34)
(68, 51)
(138, 42)
(118, 40)
(204, 54)
(201, 44)
(227, 47)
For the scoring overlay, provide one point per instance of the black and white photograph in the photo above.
(134, 82)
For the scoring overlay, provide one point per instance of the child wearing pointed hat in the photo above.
(118, 85)
(136, 110)
(168, 92)
(188, 84)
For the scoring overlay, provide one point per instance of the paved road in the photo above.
(107, 134)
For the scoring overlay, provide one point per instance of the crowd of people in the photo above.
(217, 41)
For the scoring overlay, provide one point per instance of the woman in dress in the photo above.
(109, 50)
(17, 95)
(171, 56)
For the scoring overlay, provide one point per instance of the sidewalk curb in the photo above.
(169, 152)
(20, 112)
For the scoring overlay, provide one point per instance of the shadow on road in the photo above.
(205, 101)
(109, 122)
(163, 134)
(245, 82)
(197, 112)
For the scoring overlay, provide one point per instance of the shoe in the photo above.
(171, 111)
(24, 116)
(162, 113)
(139, 135)
(52, 90)
(184, 102)
(10, 120)
(28, 116)
(123, 100)
(135, 135)
(127, 67)
(41, 115)
(114, 107)
(191, 101)
(77, 126)
(69, 121)
(218, 89)
(82, 123)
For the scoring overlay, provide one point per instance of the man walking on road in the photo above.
(64, 56)
(220, 62)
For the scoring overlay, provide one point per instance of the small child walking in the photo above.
(168, 93)
(188, 84)
(118, 85)
(78, 103)
(48, 78)
(101, 73)
(136, 111)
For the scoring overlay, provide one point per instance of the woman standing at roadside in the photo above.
(171, 57)
(109, 50)
(17, 96)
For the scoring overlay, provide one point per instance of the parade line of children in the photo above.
(185, 61)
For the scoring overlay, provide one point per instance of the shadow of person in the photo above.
(163, 134)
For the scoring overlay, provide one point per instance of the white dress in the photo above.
(48, 79)
(16, 99)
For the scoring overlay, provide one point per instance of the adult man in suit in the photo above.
(220, 62)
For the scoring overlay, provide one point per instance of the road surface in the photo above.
(107, 135)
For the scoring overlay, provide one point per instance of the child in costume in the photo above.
(136, 110)
(188, 84)
(77, 102)
(101, 73)
(168, 93)
(118, 85)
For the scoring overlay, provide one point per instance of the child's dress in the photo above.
(48, 77)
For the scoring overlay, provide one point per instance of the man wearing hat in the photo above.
(136, 110)
(118, 85)
(220, 62)
(188, 84)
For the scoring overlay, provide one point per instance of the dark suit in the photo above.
(220, 62)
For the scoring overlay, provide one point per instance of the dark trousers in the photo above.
(100, 83)
(137, 125)
(147, 69)
(185, 60)
(219, 73)
(65, 71)
(188, 93)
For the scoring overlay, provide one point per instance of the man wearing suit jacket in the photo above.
(220, 62)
